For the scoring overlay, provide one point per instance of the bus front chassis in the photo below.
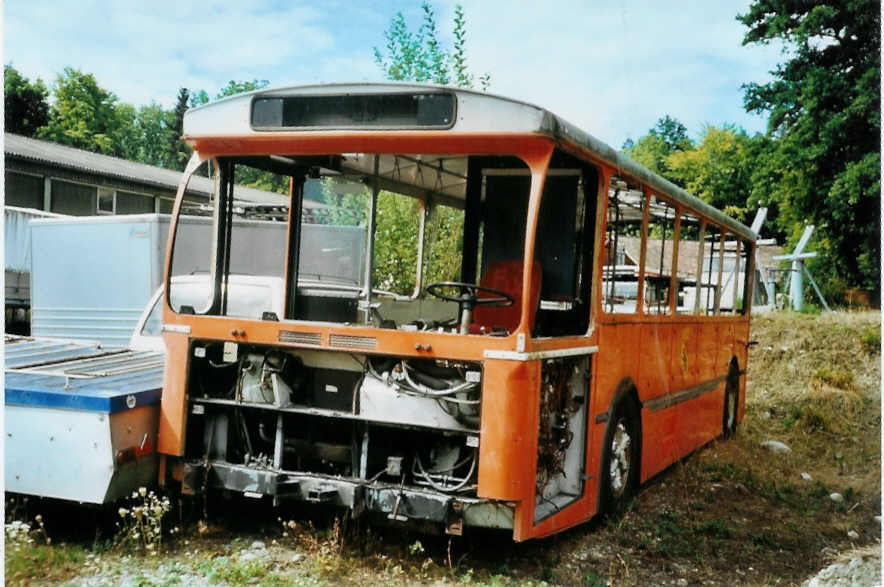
(395, 502)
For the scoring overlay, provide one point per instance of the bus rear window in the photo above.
(402, 110)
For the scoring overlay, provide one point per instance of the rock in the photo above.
(257, 545)
(852, 535)
(836, 497)
(297, 557)
(859, 570)
(776, 447)
(878, 519)
(806, 477)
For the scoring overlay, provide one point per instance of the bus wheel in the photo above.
(621, 458)
(729, 415)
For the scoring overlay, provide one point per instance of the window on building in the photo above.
(73, 198)
(131, 203)
(24, 191)
(105, 201)
(166, 206)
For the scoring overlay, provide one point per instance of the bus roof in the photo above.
(476, 112)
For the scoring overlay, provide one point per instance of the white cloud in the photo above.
(612, 69)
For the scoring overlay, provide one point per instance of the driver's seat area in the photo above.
(505, 276)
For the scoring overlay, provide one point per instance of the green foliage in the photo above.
(824, 160)
(650, 151)
(719, 169)
(234, 87)
(178, 151)
(871, 340)
(840, 378)
(26, 108)
(396, 240)
(673, 133)
(153, 132)
(668, 136)
(444, 244)
(419, 56)
(84, 115)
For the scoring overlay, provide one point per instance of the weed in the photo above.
(142, 522)
(226, 570)
(593, 580)
(871, 340)
(718, 528)
(764, 539)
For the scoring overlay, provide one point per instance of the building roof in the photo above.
(687, 255)
(54, 154)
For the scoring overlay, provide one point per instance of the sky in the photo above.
(611, 68)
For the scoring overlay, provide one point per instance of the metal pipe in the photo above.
(278, 445)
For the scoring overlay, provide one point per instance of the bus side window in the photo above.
(622, 248)
(658, 256)
(564, 246)
(730, 295)
(710, 276)
(690, 258)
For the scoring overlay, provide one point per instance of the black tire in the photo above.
(731, 404)
(621, 457)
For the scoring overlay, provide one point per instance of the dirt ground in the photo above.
(734, 512)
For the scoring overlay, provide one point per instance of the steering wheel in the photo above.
(469, 294)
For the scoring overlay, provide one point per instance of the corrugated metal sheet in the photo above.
(168, 179)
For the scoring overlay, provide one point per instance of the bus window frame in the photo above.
(718, 291)
(701, 241)
(193, 164)
(536, 152)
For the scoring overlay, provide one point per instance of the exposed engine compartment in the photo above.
(396, 435)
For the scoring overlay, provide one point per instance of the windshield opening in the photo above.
(388, 241)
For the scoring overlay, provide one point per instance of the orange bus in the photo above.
(513, 325)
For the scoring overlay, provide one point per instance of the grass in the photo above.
(37, 564)
(730, 513)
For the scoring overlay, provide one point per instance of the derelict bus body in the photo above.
(491, 364)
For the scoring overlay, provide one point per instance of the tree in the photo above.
(25, 103)
(178, 151)
(719, 170)
(234, 87)
(83, 115)
(419, 56)
(673, 133)
(652, 150)
(824, 127)
(155, 130)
